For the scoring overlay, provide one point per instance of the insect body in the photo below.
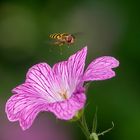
(63, 38)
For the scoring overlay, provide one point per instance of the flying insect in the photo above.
(61, 39)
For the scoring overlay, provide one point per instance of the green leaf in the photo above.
(106, 131)
(94, 126)
(77, 116)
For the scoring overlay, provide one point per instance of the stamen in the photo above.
(63, 94)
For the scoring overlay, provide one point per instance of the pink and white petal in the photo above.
(67, 109)
(42, 79)
(24, 108)
(33, 90)
(69, 73)
(76, 64)
(101, 69)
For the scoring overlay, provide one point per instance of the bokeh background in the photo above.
(108, 27)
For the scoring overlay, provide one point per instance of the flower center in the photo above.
(63, 94)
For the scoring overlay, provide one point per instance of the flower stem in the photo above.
(83, 125)
(94, 136)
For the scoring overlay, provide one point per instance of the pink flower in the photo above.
(59, 89)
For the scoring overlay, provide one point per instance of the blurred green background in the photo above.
(109, 27)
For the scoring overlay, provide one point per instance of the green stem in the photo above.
(83, 126)
(94, 136)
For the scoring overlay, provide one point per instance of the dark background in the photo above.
(108, 27)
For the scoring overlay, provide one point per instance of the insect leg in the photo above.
(61, 44)
(57, 43)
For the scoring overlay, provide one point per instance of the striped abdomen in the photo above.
(58, 35)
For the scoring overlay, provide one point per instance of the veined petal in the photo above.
(76, 64)
(69, 73)
(101, 69)
(24, 108)
(42, 79)
(67, 109)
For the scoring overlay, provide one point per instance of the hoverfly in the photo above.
(61, 39)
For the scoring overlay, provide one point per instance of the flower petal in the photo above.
(24, 107)
(67, 109)
(101, 69)
(69, 73)
(41, 78)
(76, 64)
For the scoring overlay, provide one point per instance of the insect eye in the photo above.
(69, 39)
